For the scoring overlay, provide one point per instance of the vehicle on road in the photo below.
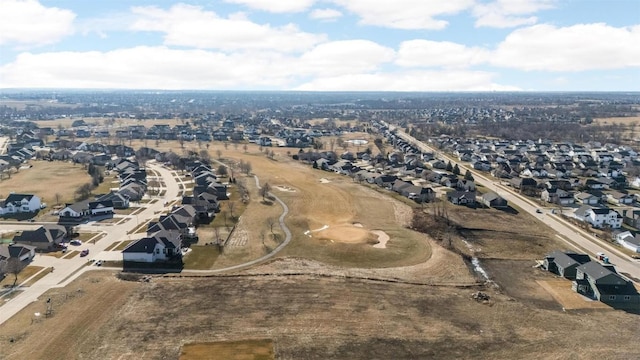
(84, 252)
(99, 263)
(75, 242)
(539, 211)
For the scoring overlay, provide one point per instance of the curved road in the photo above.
(287, 239)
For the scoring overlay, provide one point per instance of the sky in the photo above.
(322, 45)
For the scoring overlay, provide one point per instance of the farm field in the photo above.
(308, 317)
(46, 179)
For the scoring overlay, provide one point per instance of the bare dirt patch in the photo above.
(570, 300)
(383, 238)
(231, 350)
(346, 233)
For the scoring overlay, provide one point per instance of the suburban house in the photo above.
(118, 200)
(631, 217)
(85, 210)
(23, 253)
(158, 246)
(603, 283)
(20, 203)
(564, 263)
(557, 196)
(45, 238)
(587, 198)
(599, 217)
(493, 200)
(462, 197)
(619, 198)
(629, 241)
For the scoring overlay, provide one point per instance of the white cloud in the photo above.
(409, 81)
(405, 14)
(276, 6)
(342, 65)
(186, 25)
(574, 48)
(28, 22)
(426, 53)
(509, 13)
(344, 57)
(325, 14)
(147, 68)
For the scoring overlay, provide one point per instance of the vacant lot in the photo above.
(46, 179)
(308, 317)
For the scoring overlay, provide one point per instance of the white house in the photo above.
(600, 217)
(629, 241)
(20, 203)
(160, 246)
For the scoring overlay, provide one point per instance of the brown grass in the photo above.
(231, 350)
(313, 204)
(47, 178)
(26, 273)
(307, 317)
(570, 300)
(630, 120)
(122, 245)
(39, 276)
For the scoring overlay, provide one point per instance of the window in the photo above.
(627, 297)
(612, 297)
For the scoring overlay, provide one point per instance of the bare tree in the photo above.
(219, 153)
(245, 147)
(332, 144)
(231, 205)
(226, 145)
(58, 196)
(13, 266)
(264, 190)
(271, 222)
(216, 234)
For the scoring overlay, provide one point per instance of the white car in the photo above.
(75, 242)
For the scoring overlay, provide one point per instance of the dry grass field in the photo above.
(46, 179)
(317, 199)
(307, 317)
(627, 121)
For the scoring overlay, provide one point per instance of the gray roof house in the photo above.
(46, 237)
(603, 283)
(564, 263)
(158, 246)
(493, 200)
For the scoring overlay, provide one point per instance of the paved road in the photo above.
(572, 235)
(66, 270)
(4, 142)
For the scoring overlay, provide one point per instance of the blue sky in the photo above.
(370, 45)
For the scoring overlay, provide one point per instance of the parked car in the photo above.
(99, 263)
(84, 252)
(75, 242)
(539, 211)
